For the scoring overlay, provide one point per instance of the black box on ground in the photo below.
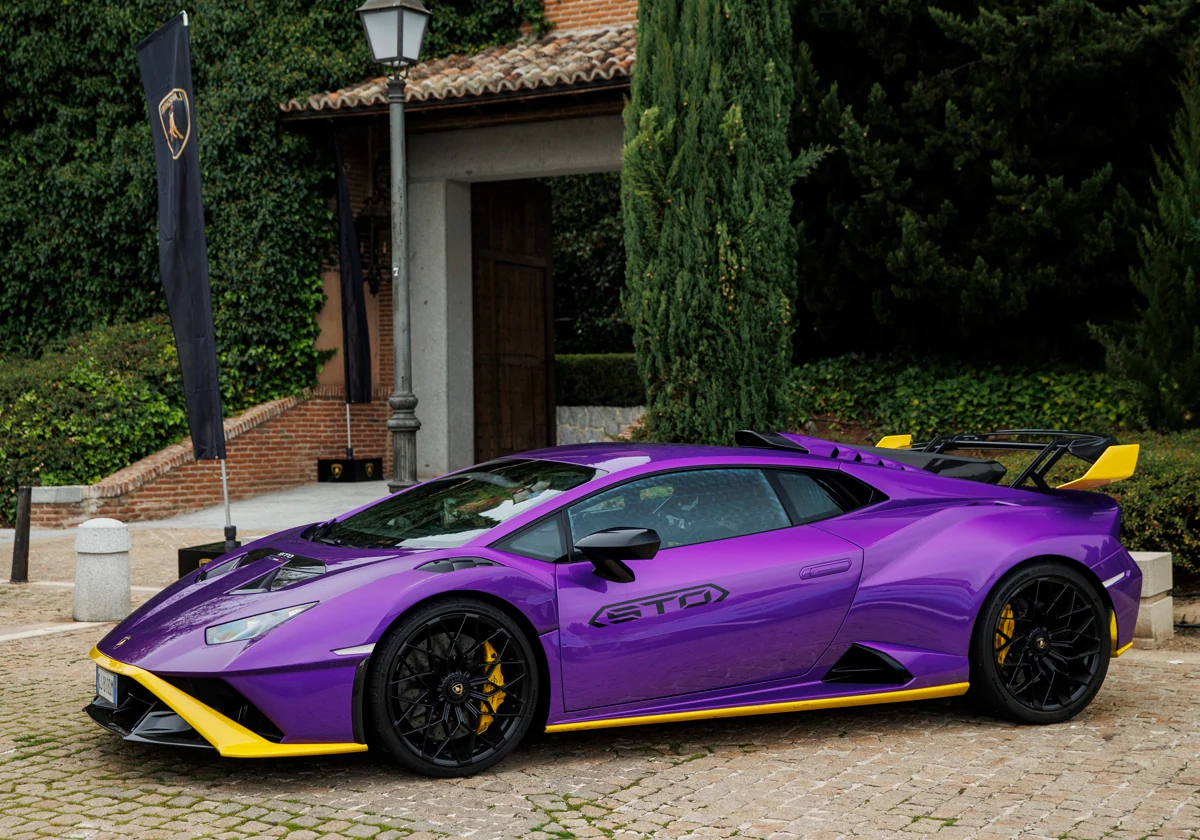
(349, 469)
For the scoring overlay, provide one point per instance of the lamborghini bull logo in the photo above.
(667, 602)
(175, 116)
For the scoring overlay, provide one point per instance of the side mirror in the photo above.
(609, 549)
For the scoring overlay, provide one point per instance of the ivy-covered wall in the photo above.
(78, 238)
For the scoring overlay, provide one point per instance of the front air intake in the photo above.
(866, 666)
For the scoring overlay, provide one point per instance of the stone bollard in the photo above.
(102, 571)
(1156, 614)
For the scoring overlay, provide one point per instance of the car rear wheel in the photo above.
(452, 688)
(1040, 649)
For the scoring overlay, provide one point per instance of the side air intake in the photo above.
(863, 665)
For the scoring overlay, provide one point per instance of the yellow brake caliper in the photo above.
(495, 681)
(1007, 626)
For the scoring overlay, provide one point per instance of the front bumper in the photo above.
(165, 714)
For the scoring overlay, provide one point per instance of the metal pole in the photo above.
(349, 442)
(403, 423)
(230, 530)
(20, 561)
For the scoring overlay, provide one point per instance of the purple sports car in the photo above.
(620, 584)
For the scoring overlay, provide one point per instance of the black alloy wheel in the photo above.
(1041, 646)
(452, 688)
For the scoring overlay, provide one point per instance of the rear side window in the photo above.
(809, 499)
(686, 507)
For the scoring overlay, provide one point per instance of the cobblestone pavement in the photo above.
(1129, 767)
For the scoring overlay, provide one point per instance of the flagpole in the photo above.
(230, 530)
(349, 443)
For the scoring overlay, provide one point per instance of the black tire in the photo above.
(1041, 644)
(452, 688)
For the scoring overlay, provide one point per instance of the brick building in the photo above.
(481, 129)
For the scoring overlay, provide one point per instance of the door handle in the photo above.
(823, 569)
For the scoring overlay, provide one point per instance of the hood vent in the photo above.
(866, 666)
(212, 571)
(290, 571)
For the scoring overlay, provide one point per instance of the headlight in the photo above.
(252, 627)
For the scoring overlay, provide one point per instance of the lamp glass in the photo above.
(382, 34)
(413, 34)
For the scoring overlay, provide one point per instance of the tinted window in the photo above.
(541, 542)
(453, 510)
(811, 498)
(685, 508)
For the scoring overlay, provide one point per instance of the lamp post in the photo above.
(395, 32)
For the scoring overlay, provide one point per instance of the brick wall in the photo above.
(588, 14)
(270, 447)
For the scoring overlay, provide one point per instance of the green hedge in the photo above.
(598, 379)
(861, 397)
(1160, 505)
(901, 396)
(97, 404)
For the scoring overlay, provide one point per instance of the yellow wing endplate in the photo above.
(895, 442)
(1116, 463)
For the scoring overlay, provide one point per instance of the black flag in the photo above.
(356, 341)
(165, 60)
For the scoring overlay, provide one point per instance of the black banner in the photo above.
(356, 341)
(165, 60)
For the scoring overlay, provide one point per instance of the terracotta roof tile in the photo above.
(557, 59)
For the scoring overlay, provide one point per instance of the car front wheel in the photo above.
(452, 688)
(1041, 646)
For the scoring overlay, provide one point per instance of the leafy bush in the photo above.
(923, 397)
(589, 265)
(861, 397)
(1160, 505)
(102, 401)
(598, 379)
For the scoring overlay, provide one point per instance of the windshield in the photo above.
(452, 511)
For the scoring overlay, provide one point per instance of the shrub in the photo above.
(589, 265)
(1160, 505)
(924, 397)
(104, 400)
(598, 379)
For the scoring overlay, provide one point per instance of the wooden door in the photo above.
(513, 312)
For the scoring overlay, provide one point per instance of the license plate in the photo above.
(106, 685)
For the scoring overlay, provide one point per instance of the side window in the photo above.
(810, 498)
(685, 508)
(543, 541)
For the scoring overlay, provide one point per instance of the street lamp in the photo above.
(395, 32)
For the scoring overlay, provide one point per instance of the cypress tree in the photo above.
(1157, 360)
(706, 194)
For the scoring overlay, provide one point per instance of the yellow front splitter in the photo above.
(230, 738)
(931, 693)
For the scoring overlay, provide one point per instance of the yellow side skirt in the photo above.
(931, 693)
(231, 739)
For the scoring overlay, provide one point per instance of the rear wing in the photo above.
(1109, 460)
